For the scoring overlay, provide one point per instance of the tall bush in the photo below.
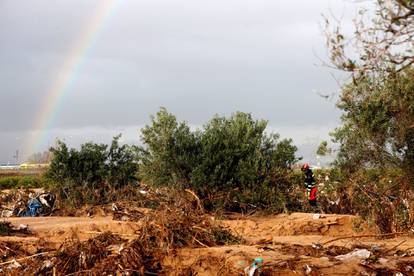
(233, 153)
(92, 169)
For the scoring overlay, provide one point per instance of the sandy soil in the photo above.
(295, 244)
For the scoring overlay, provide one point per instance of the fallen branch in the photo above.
(25, 258)
(364, 236)
(98, 233)
(200, 242)
(394, 247)
(197, 198)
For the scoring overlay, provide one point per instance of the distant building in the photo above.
(27, 166)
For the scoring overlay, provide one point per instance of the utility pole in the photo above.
(16, 156)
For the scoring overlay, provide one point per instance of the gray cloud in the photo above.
(196, 58)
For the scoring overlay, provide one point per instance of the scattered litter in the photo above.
(114, 207)
(14, 265)
(6, 213)
(317, 246)
(27, 204)
(308, 270)
(356, 254)
(375, 248)
(23, 227)
(47, 264)
(316, 216)
(251, 269)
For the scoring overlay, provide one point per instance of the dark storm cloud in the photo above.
(196, 58)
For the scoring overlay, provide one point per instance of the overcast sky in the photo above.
(196, 58)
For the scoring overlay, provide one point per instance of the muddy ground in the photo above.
(294, 244)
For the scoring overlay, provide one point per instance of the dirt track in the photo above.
(287, 243)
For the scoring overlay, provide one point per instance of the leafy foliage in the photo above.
(92, 167)
(171, 150)
(227, 154)
(13, 182)
(378, 122)
(323, 149)
(378, 119)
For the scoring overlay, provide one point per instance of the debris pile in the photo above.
(127, 211)
(172, 226)
(26, 203)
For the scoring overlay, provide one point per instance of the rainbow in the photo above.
(67, 75)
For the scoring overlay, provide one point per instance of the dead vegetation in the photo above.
(162, 231)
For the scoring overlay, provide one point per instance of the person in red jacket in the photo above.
(310, 184)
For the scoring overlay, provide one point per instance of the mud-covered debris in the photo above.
(23, 227)
(409, 268)
(126, 211)
(7, 229)
(383, 261)
(375, 248)
(174, 225)
(13, 265)
(10, 250)
(356, 254)
(404, 253)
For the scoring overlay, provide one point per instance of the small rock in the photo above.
(316, 216)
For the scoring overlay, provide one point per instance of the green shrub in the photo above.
(232, 157)
(15, 182)
(86, 175)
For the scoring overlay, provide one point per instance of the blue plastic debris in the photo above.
(33, 206)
